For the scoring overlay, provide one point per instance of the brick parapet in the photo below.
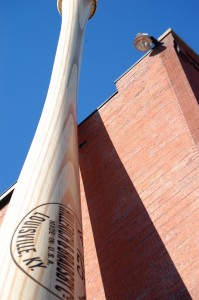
(186, 87)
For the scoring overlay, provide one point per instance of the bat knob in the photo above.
(92, 9)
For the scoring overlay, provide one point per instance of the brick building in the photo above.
(139, 164)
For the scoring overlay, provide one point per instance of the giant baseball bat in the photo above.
(41, 253)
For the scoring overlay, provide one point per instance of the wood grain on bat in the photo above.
(41, 254)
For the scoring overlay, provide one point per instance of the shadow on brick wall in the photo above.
(133, 260)
(190, 63)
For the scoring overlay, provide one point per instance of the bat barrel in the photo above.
(42, 252)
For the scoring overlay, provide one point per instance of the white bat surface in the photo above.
(41, 253)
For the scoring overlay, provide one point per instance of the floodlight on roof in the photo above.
(143, 42)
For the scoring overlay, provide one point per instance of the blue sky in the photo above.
(29, 33)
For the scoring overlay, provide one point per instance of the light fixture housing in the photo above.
(143, 42)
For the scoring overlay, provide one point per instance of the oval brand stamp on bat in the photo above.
(60, 268)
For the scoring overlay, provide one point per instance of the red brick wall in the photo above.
(140, 187)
